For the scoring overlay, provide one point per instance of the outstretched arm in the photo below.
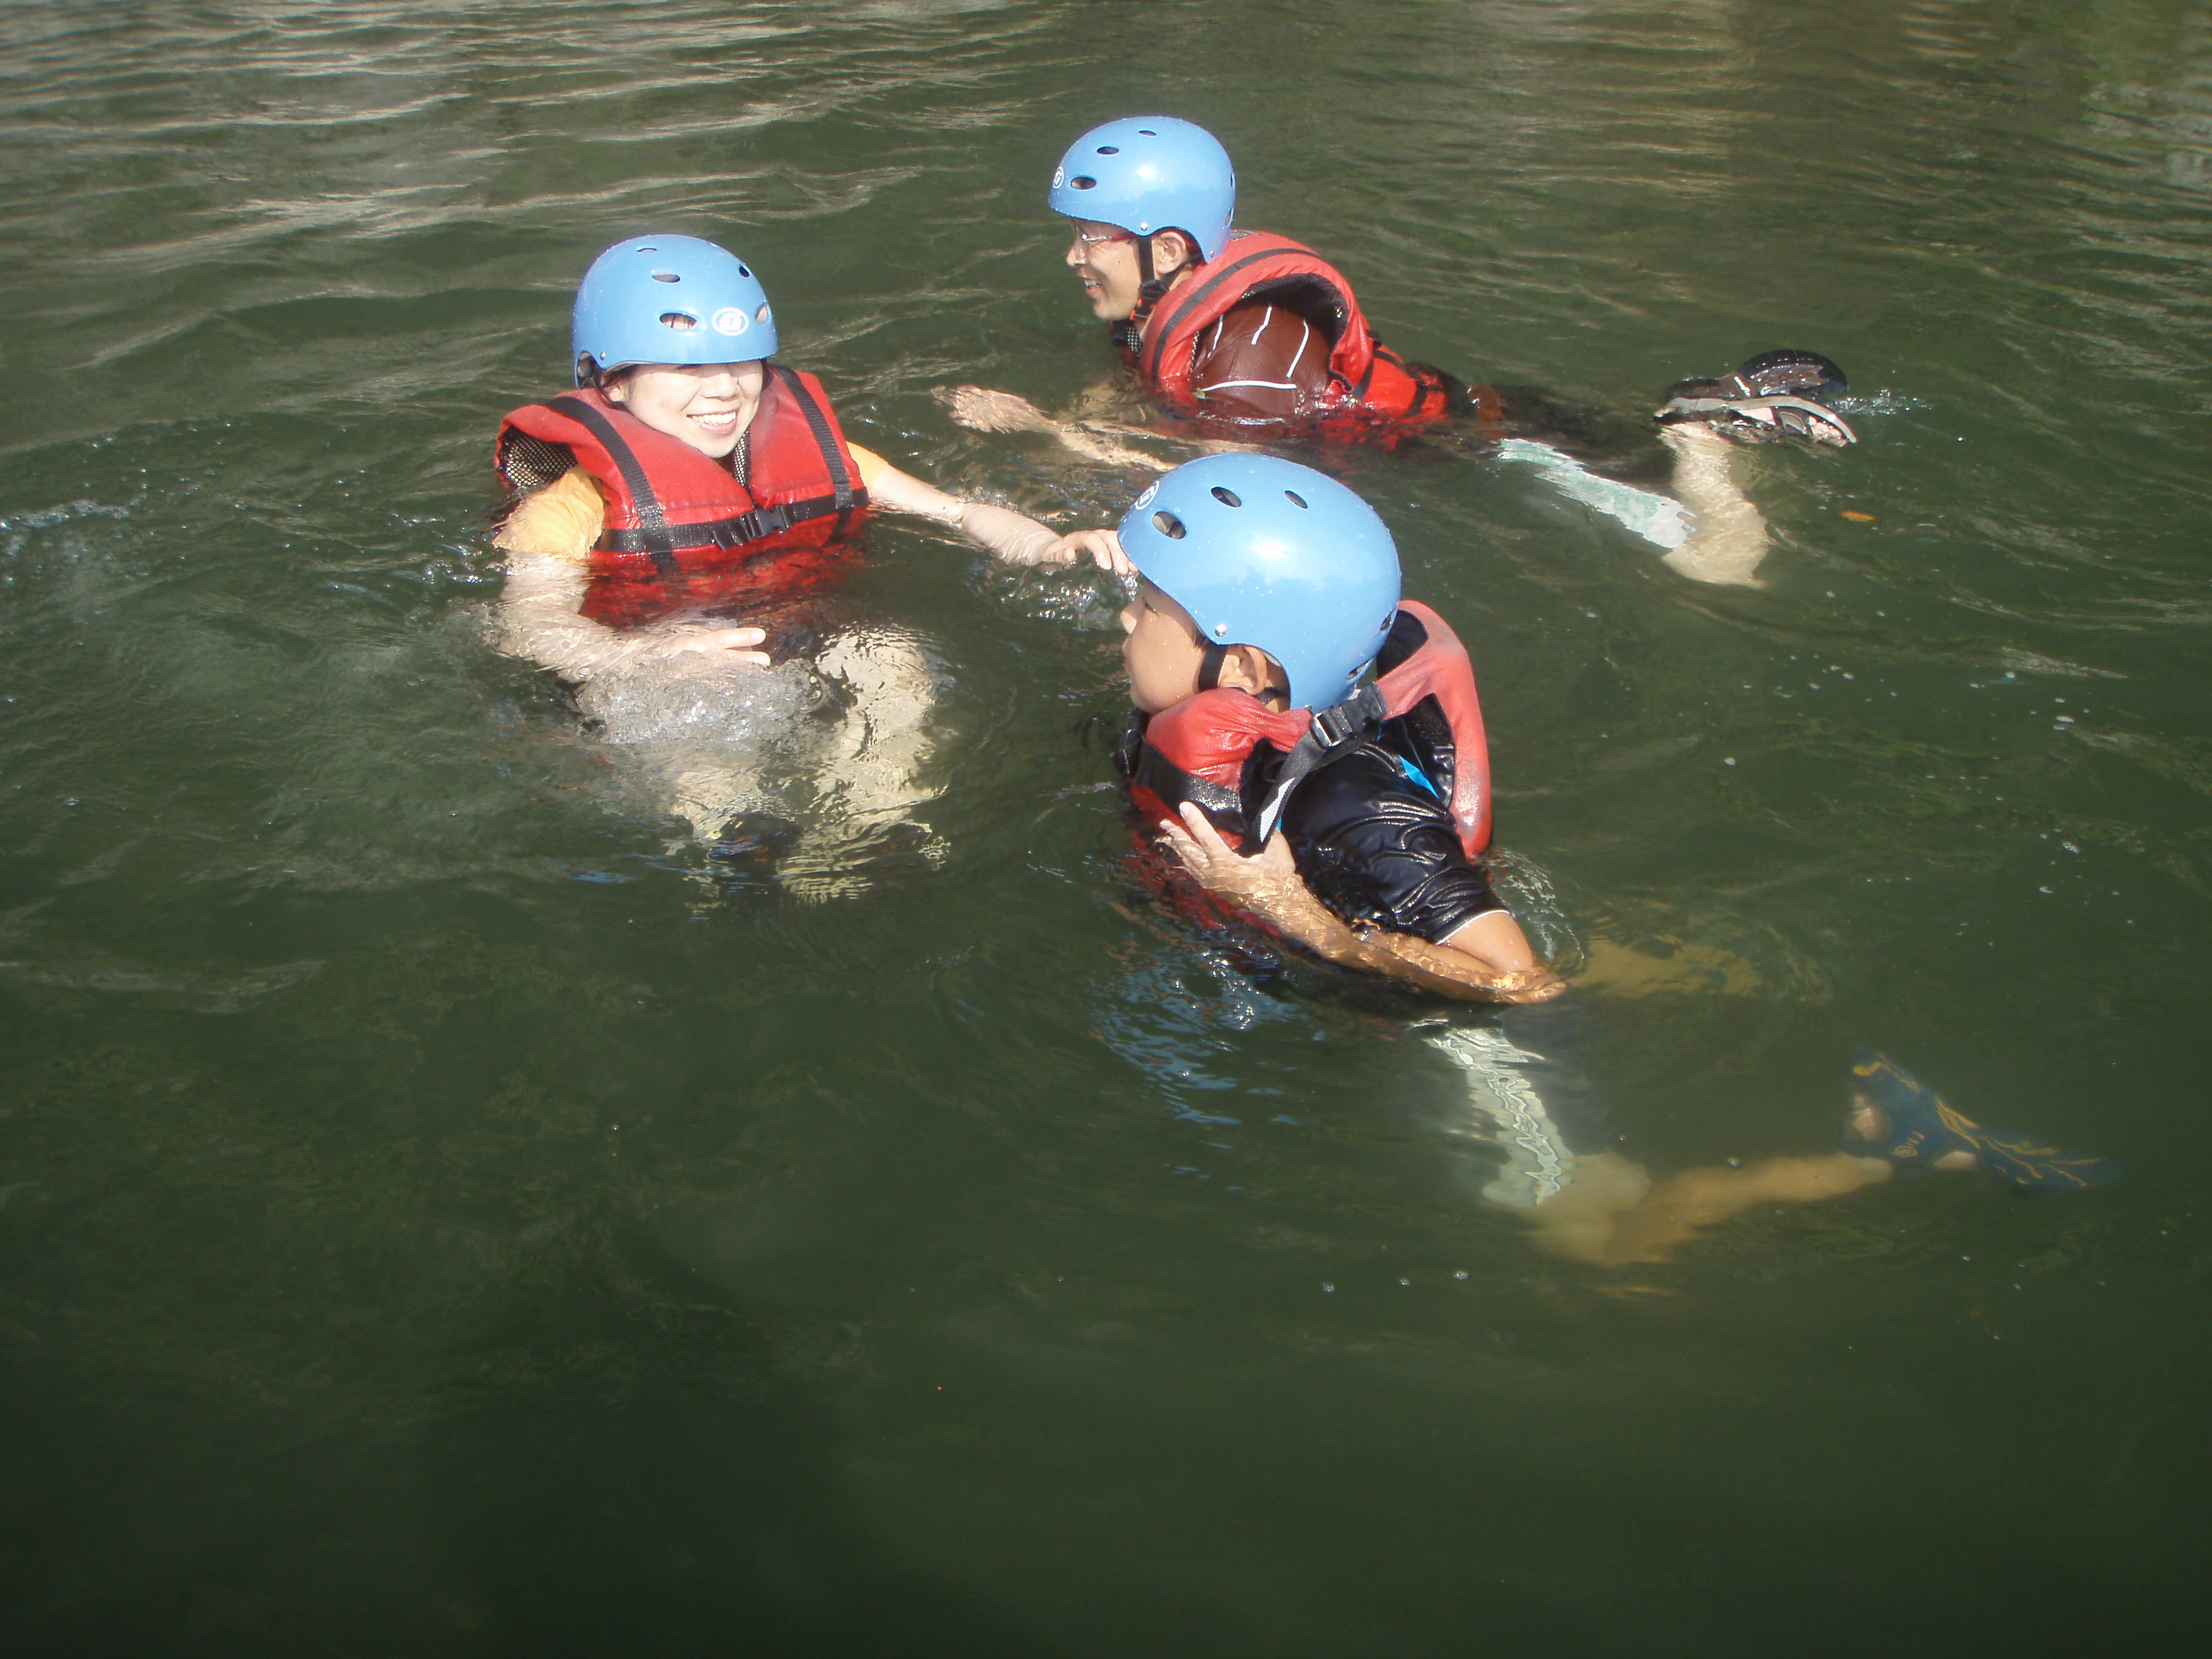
(1012, 535)
(981, 409)
(1488, 960)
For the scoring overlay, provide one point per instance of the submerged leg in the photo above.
(869, 780)
(1671, 1211)
(1731, 536)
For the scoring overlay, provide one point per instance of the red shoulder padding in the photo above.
(1441, 669)
(1368, 382)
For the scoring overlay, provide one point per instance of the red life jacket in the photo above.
(1370, 386)
(682, 534)
(1240, 761)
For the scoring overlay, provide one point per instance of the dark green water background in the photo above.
(433, 1220)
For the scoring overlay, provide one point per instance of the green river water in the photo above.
(441, 1211)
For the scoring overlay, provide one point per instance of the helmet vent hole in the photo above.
(1169, 525)
(1146, 132)
(1085, 182)
(760, 316)
(678, 321)
(1109, 149)
(1227, 497)
(744, 273)
(1296, 500)
(666, 276)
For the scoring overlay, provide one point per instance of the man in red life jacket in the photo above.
(1268, 590)
(1237, 325)
(1252, 335)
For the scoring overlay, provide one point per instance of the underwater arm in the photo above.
(1008, 535)
(1269, 886)
(540, 620)
(548, 540)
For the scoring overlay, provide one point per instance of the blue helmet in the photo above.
(1147, 173)
(1265, 552)
(670, 299)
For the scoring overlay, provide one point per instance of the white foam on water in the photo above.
(743, 708)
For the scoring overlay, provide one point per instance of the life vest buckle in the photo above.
(1340, 723)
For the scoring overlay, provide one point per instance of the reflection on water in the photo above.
(453, 1189)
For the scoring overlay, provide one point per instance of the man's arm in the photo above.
(981, 409)
(1496, 965)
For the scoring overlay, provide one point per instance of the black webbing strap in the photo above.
(1156, 772)
(652, 534)
(840, 480)
(1149, 365)
(1334, 733)
(736, 530)
(1359, 392)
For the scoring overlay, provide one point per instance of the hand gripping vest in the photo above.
(682, 534)
(1369, 383)
(1240, 761)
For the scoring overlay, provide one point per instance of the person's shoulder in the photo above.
(1367, 784)
(563, 520)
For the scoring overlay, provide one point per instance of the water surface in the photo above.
(440, 1213)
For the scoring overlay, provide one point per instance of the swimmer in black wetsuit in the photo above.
(1269, 589)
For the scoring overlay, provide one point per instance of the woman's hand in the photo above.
(710, 644)
(1101, 547)
(1267, 883)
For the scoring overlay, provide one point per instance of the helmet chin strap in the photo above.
(1209, 666)
(1152, 287)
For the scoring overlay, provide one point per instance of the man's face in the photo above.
(708, 406)
(1104, 259)
(1162, 651)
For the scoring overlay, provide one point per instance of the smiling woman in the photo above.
(708, 406)
(676, 499)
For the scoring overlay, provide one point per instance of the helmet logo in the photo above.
(731, 320)
(1146, 499)
(1059, 177)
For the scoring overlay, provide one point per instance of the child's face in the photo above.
(1162, 652)
(707, 405)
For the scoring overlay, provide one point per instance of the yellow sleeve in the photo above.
(563, 520)
(870, 464)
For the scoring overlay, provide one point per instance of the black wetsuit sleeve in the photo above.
(1375, 847)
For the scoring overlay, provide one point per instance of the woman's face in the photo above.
(708, 406)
